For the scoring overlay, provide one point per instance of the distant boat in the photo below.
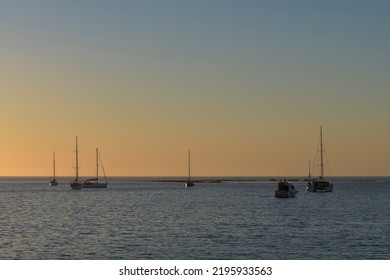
(76, 184)
(189, 183)
(53, 181)
(94, 182)
(285, 189)
(319, 184)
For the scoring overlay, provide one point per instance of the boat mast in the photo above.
(97, 165)
(54, 165)
(77, 161)
(322, 158)
(189, 165)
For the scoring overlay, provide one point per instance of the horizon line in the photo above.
(198, 176)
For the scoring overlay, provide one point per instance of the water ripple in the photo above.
(149, 220)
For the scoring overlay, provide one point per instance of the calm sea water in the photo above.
(143, 219)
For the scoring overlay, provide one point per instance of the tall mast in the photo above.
(322, 158)
(189, 165)
(54, 165)
(77, 161)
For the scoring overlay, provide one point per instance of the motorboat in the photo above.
(285, 189)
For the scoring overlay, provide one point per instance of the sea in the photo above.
(234, 218)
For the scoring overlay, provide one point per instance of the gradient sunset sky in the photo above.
(244, 84)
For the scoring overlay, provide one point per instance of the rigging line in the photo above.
(101, 163)
(327, 161)
(326, 158)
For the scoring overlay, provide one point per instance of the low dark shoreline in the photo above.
(216, 181)
(195, 181)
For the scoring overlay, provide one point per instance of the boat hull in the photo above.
(76, 186)
(319, 186)
(94, 185)
(285, 190)
(289, 194)
(53, 183)
(189, 184)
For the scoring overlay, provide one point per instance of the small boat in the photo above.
(189, 183)
(285, 189)
(319, 184)
(53, 181)
(76, 184)
(94, 182)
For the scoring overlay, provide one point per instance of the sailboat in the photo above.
(189, 183)
(94, 182)
(319, 184)
(53, 181)
(76, 184)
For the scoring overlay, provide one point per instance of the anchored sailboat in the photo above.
(189, 183)
(94, 182)
(53, 181)
(76, 184)
(320, 184)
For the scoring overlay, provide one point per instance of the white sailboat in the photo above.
(76, 184)
(319, 184)
(94, 182)
(189, 183)
(53, 181)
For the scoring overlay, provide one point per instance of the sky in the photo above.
(245, 85)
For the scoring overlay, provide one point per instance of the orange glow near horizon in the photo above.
(247, 94)
(258, 153)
